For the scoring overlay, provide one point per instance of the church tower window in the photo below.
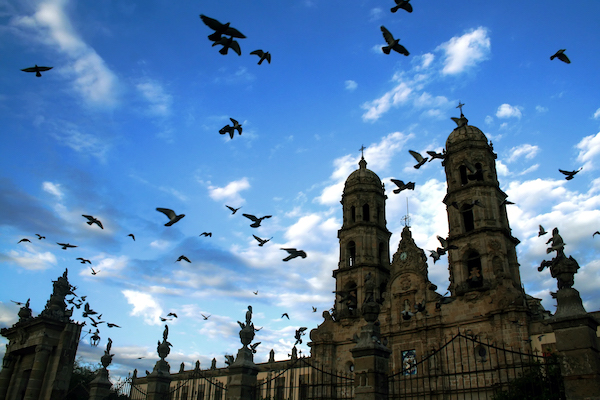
(475, 277)
(353, 213)
(463, 175)
(381, 253)
(366, 214)
(467, 216)
(351, 252)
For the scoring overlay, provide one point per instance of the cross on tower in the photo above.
(406, 218)
(460, 105)
(362, 151)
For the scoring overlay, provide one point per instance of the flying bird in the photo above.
(420, 159)
(172, 314)
(231, 130)
(595, 233)
(24, 240)
(94, 272)
(294, 253)
(65, 245)
(111, 325)
(83, 260)
(183, 258)
(542, 231)
(88, 311)
(402, 186)
(314, 309)
(91, 220)
(402, 4)
(205, 316)
(220, 29)
(253, 346)
(132, 236)
(256, 220)
(233, 210)
(506, 202)
(561, 56)
(228, 43)
(445, 244)
(435, 155)
(299, 334)
(435, 255)
(40, 237)
(256, 293)
(285, 315)
(173, 217)
(18, 303)
(37, 70)
(206, 234)
(569, 174)
(392, 43)
(261, 242)
(264, 55)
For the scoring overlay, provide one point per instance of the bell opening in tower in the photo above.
(366, 214)
(468, 219)
(475, 277)
(351, 252)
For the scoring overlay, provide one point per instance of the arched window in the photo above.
(478, 176)
(381, 253)
(467, 215)
(351, 253)
(366, 214)
(463, 175)
(350, 296)
(353, 213)
(474, 274)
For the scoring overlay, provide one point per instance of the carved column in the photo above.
(100, 386)
(36, 379)
(242, 376)
(8, 364)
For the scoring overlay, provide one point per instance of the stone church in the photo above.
(486, 298)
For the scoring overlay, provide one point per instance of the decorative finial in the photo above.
(406, 218)
(460, 105)
(362, 151)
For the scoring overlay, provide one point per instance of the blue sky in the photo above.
(128, 120)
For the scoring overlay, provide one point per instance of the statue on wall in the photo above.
(561, 267)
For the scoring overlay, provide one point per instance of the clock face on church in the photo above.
(403, 256)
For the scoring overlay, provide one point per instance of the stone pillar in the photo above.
(100, 386)
(578, 345)
(242, 376)
(371, 359)
(40, 365)
(159, 381)
(8, 364)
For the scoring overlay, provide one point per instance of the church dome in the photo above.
(362, 176)
(465, 133)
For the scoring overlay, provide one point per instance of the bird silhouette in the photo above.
(542, 231)
(94, 272)
(24, 240)
(402, 4)
(435, 155)
(132, 236)
(256, 293)
(285, 315)
(560, 54)
(231, 130)
(111, 325)
(261, 242)
(402, 186)
(205, 316)
(392, 43)
(299, 334)
(420, 159)
(506, 202)
(206, 234)
(88, 311)
(264, 55)
(40, 237)
(83, 260)
(37, 70)
(220, 29)
(256, 220)
(233, 210)
(445, 244)
(293, 253)
(435, 255)
(314, 309)
(65, 245)
(18, 303)
(91, 220)
(228, 43)
(172, 314)
(173, 217)
(184, 258)
(569, 174)
(253, 346)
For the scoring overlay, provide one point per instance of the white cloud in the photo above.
(375, 108)
(231, 192)
(53, 188)
(144, 305)
(541, 109)
(589, 150)
(462, 52)
(160, 102)
(597, 114)
(375, 13)
(489, 119)
(31, 260)
(50, 25)
(424, 61)
(525, 150)
(350, 85)
(508, 111)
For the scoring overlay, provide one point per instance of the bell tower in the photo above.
(364, 241)
(485, 254)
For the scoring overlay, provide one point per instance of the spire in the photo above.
(362, 163)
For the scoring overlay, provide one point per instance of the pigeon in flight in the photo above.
(83, 260)
(299, 334)
(228, 43)
(294, 253)
(256, 293)
(231, 130)
(542, 231)
(420, 159)
(595, 233)
(40, 237)
(18, 303)
(561, 56)
(65, 245)
(94, 272)
(285, 315)
(392, 43)
(445, 244)
(402, 4)
(435, 155)
(37, 70)
(435, 255)
(205, 316)
(206, 234)
(264, 55)
(132, 236)
(402, 186)
(506, 202)
(91, 220)
(88, 311)
(111, 325)
(183, 258)
(220, 29)
(172, 314)
(256, 220)
(261, 242)
(233, 210)
(569, 174)
(171, 215)
(314, 309)
(24, 240)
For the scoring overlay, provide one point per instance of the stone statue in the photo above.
(107, 357)
(247, 331)
(228, 360)
(558, 244)
(197, 368)
(213, 364)
(163, 348)
(95, 338)
(272, 356)
(56, 307)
